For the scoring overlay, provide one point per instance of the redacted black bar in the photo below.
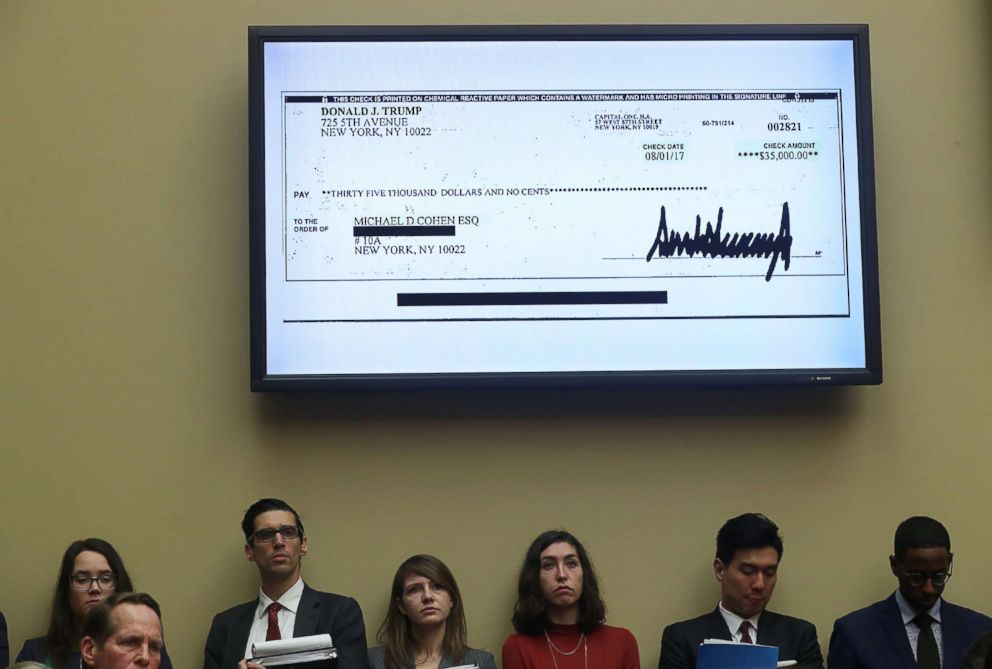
(530, 298)
(404, 231)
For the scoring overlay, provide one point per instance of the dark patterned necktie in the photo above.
(272, 633)
(745, 630)
(927, 655)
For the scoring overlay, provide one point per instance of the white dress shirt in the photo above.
(734, 624)
(290, 602)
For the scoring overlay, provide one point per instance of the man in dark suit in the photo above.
(914, 628)
(748, 551)
(286, 607)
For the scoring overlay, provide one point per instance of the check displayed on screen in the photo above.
(524, 196)
(489, 206)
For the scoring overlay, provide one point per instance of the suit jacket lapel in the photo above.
(238, 641)
(950, 639)
(769, 632)
(713, 627)
(308, 613)
(718, 626)
(896, 631)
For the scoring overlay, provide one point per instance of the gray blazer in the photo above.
(480, 658)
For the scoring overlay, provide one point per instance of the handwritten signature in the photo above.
(713, 243)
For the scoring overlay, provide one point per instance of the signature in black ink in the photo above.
(747, 245)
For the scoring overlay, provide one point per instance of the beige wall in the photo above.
(125, 405)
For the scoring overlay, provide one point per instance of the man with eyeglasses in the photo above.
(914, 628)
(286, 607)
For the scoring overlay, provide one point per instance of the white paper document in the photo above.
(555, 188)
(294, 651)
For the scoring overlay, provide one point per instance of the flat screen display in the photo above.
(438, 206)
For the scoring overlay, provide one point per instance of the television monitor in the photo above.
(453, 206)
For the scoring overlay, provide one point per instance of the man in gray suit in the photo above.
(748, 551)
(285, 607)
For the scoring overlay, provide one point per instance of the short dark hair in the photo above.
(530, 613)
(99, 622)
(261, 506)
(748, 530)
(62, 638)
(979, 654)
(920, 532)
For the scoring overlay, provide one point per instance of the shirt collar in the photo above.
(734, 621)
(908, 614)
(290, 599)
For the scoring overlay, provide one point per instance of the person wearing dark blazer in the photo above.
(318, 613)
(286, 607)
(914, 627)
(4, 644)
(748, 552)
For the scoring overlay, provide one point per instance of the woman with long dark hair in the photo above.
(560, 616)
(425, 622)
(91, 571)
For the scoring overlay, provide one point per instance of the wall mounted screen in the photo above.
(438, 206)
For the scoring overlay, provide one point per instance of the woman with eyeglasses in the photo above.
(91, 571)
(559, 615)
(425, 622)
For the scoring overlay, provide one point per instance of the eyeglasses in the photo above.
(268, 535)
(918, 579)
(84, 582)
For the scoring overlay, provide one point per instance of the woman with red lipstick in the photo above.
(425, 622)
(559, 615)
(91, 571)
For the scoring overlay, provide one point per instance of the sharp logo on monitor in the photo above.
(561, 206)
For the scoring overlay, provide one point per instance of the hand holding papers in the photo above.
(294, 651)
(720, 654)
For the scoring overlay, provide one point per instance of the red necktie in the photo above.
(746, 632)
(272, 633)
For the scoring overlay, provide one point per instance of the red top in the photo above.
(609, 648)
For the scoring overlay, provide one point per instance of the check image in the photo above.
(564, 204)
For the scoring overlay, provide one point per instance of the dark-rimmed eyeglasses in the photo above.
(918, 579)
(268, 535)
(84, 582)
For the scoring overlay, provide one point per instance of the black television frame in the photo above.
(261, 380)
